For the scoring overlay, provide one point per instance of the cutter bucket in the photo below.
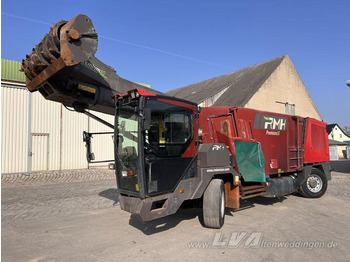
(63, 68)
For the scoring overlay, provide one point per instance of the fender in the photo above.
(325, 167)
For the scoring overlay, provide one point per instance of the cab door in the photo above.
(165, 142)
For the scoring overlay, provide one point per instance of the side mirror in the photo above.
(147, 118)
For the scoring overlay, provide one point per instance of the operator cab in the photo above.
(154, 145)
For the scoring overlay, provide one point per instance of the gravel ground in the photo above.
(75, 216)
(39, 195)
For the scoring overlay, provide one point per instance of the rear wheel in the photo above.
(214, 204)
(315, 185)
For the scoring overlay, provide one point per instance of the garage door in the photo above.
(333, 152)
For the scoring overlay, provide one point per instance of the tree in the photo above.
(346, 129)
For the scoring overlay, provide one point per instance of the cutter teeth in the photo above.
(44, 53)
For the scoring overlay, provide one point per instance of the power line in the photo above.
(126, 42)
(161, 51)
(25, 18)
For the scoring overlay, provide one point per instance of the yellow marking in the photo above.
(161, 131)
(87, 89)
(137, 187)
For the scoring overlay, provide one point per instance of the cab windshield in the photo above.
(127, 150)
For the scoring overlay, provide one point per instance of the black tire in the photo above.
(214, 204)
(315, 185)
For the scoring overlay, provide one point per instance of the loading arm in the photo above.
(63, 68)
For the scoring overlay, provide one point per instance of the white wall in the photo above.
(14, 120)
(284, 85)
(101, 145)
(56, 135)
(44, 120)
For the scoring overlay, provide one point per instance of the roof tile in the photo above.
(241, 85)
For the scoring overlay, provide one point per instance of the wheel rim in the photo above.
(222, 209)
(314, 183)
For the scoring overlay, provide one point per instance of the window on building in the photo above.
(290, 109)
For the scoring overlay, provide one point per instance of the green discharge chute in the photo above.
(250, 161)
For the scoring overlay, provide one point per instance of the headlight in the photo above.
(128, 173)
(200, 132)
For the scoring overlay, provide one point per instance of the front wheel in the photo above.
(214, 204)
(315, 185)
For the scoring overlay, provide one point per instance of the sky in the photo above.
(170, 44)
